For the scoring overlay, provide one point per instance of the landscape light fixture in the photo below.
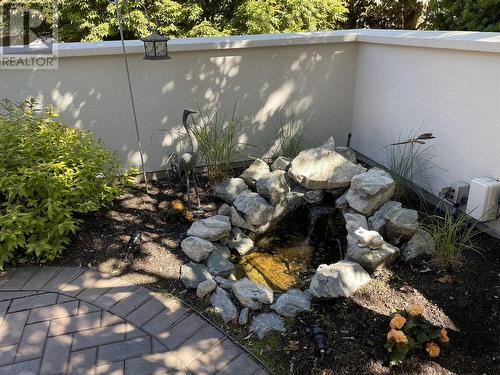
(155, 47)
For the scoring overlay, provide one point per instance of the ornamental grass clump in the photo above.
(49, 174)
(410, 330)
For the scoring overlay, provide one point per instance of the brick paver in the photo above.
(63, 320)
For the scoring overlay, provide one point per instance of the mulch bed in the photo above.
(468, 303)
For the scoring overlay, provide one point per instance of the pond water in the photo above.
(288, 256)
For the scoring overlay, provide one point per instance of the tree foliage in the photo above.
(473, 15)
(384, 14)
(95, 20)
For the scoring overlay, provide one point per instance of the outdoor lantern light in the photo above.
(155, 47)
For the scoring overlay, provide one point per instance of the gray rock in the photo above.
(321, 168)
(228, 189)
(401, 224)
(370, 190)
(264, 323)
(281, 164)
(347, 153)
(255, 209)
(340, 279)
(252, 295)
(212, 229)
(273, 186)
(292, 302)
(238, 220)
(225, 283)
(243, 318)
(223, 305)
(292, 201)
(420, 243)
(196, 248)
(219, 265)
(205, 288)
(371, 260)
(377, 221)
(239, 241)
(341, 202)
(224, 210)
(256, 170)
(354, 221)
(192, 274)
(223, 250)
(314, 196)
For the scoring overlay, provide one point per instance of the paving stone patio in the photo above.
(63, 320)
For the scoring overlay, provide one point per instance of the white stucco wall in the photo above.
(453, 93)
(89, 89)
(378, 84)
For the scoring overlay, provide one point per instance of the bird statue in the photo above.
(187, 161)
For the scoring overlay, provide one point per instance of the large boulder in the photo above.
(252, 295)
(212, 229)
(228, 189)
(223, 305)
(197, 248)
(239, 241)
(219, 265)
(401, 224)
(370, 190)
(193, 274)
(281, 164)
(264, 323)
(420, 243)
(292, 302)
(273, 186)
(371, 259)
(340, 279)
(347, 153)
(255, 209)
(377, 221)
(322, 168)
(258, 169)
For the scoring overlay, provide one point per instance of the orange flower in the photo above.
(397, 321)
(414, 310)
(177, 205)
(433, 349)
(397, 336)
(443, 336)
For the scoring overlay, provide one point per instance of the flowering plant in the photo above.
(178, 212)
(410, 330)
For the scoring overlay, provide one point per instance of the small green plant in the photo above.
(453, 235)
(409, 159)
(216, 138)
(410, 330)
(290, 135)
(49, 173)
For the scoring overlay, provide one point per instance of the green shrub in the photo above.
(49, 173)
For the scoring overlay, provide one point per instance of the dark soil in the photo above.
(468, 306)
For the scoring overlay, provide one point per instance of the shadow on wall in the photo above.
(92, 93)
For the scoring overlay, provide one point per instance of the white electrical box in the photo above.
(484, 196)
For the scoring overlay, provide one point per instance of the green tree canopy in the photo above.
(384, 14)
(95, 20)
(473, 15)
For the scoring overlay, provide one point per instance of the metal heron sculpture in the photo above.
(187, 161)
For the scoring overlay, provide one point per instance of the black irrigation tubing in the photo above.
(257, 359)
